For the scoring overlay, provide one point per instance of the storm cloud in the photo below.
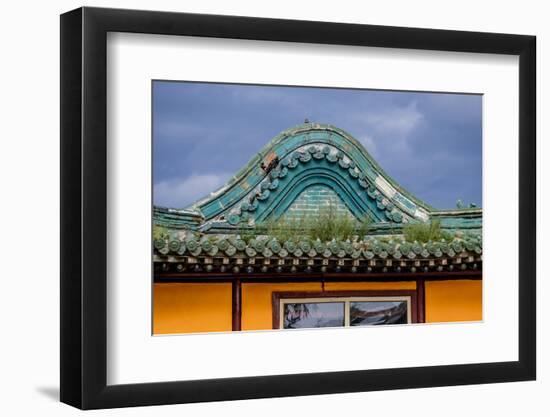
(430, 143)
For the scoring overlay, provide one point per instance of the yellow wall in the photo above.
(257, 307)
(457, 300)
(187, 308)
(361, 286)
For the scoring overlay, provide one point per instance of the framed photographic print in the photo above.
(257, 208)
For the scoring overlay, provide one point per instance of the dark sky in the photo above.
(204, 133)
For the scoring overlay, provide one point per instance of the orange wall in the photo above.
(359, 286)
(187, 308)
(257, 307)
(457, 300)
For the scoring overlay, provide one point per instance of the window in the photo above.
(312, 314)
(365, 313)
(350, 309)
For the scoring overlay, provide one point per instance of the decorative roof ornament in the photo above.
(311, 163)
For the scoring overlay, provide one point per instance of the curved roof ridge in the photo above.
(283, 168)
(312, 126)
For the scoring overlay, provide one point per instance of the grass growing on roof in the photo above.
(327, 224)
(246, 232)
(425, 232)
(160, 232)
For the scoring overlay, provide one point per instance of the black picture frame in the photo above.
(84, 207)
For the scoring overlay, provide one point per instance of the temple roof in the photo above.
(300, 169)
(462, 253)
(297, 159)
